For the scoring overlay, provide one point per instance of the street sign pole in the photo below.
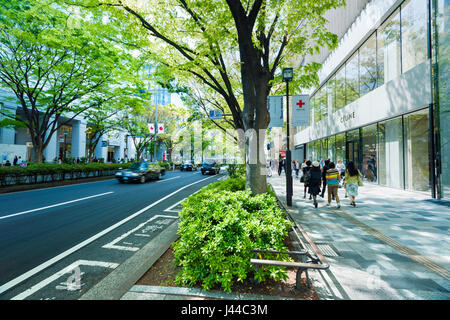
(156, 128)
(287, 76)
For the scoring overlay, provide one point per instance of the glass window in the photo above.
(317, 149)
(324, 149)
(339, 146)
(368, 65)
(321, 110)
(390, 160)
(443, 57)
(340, 88)
(414, 33)
(309, 150)
(388, 44)
(417, 170)
(369, 153)
(312, 107)
(352, 79)
(331, 149)
(331, 93)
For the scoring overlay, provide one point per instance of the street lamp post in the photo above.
(287, 77)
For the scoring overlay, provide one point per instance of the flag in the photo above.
(160, 128)
(151, 127)
(300, 110)
(275, 107)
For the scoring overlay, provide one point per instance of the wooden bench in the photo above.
(312, 263)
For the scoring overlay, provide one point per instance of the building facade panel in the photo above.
(386, 97)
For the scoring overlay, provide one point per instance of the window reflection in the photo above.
(340, 88)
(368, 65)
(388, 39)
(352, 79)
(414, 33)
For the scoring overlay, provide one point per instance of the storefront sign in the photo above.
(347, 117)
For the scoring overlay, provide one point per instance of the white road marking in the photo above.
(84, 243)
(55, 205)
(68, 269)
(112, 244)
(168, 179)
(170, 209)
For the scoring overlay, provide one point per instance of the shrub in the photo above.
(218, 228)
(53, 171)
(236, 170)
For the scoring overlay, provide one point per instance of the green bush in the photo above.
(236, 170)
(218, 228)
(53, 171)
(165, 165)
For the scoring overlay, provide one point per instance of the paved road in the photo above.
(49, 237)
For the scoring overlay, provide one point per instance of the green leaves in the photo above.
(218, 228)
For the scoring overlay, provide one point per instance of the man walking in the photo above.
(324, 176)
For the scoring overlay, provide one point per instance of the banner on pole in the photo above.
(300, 110)
(275, 108)
(151, 128)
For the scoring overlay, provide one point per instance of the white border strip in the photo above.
(48, 263)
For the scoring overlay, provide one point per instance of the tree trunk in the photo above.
(256, 120)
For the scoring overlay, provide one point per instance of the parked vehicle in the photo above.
(188, 166)
(141, 172)
(210, 167)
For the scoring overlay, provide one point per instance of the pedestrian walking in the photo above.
(341, 167)
(352, 181)
(305, 170)
(314, 178)
(281, 166)
(324, 178)
(333, 177)
(15, 160)
(297, 168)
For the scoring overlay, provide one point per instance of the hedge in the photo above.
(49, 172)
(219, 226)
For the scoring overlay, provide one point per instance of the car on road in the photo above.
(210, 167)
(140, 172)
(188, 166)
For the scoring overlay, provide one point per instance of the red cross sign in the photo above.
(300, 103)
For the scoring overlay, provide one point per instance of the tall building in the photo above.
(383, 101)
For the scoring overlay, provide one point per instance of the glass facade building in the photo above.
(384, 104)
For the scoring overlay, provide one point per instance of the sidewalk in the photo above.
(394, 245)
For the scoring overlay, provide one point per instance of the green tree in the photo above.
(52, 67)
(236, 48)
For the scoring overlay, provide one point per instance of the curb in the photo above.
(160, 293)
(124, 277)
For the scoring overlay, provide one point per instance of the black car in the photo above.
(188, 166)
(141, 172)
(210, 167)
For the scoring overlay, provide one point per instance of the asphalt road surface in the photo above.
(49, 237)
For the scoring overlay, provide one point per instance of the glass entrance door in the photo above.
(352, 151)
